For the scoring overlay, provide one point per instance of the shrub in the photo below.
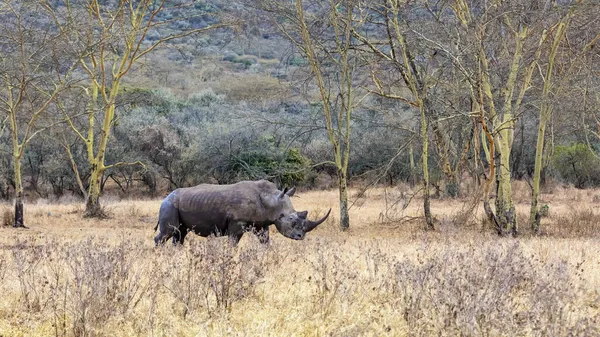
(8, 217)
(576, 164)
(246, 60)
(289, 168)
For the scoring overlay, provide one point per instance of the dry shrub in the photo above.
(330, 275)
(212, 274)
(26, 259)
(467, 216)
(8, 217)
(368, 281)
(84, 284)
(521, 191)
(494, 290)
(550, 186)
(251, 88)
(579, 223)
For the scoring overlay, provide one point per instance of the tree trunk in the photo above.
(344, 216)
(425, 140)
(19, 222)
(545, 111)
(92, 204)
(505, 208)
(413, 170)
(534, 218)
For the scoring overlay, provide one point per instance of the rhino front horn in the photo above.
(310, 225)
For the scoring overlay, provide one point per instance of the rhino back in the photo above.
(206, 207)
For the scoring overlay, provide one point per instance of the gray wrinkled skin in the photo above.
(232, 210)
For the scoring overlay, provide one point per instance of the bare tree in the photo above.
(115, 34)
(32, 76)
(396, 53)
(322, 33)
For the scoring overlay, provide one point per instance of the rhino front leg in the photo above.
(235, 231)
(263, 235)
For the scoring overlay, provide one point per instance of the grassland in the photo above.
(69, 276)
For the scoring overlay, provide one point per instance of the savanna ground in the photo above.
(69, 276)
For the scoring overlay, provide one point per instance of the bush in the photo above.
(289, 168)
(576, 164)
(8, 217)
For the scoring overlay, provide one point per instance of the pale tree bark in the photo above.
(544, 116)
(503, 128)
(115, 36)
(488, 91)
(413, 169)
(339, 136)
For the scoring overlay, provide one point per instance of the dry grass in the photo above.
(69, 276)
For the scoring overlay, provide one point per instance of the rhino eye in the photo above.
(281, 215)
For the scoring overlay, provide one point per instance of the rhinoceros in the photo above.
(232, 210)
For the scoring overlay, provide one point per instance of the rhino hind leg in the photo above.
(168, 222)
(179, 235)
(234, 238)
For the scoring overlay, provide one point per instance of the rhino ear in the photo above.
(291, 192)
(283, 193)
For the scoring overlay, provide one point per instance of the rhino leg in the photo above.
(235, 231)
(179, 235)
(234, 239)
(263, 235)
(168, 222)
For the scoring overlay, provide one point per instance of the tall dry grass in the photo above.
(69, 276)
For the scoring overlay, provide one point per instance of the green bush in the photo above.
(576, 164)
(289, 168)
(246, 60)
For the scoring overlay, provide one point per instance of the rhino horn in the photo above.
(310, 225)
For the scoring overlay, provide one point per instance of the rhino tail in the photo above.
(155, 227)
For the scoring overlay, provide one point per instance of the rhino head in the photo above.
(289, 222)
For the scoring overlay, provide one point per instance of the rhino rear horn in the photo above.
(310, 225)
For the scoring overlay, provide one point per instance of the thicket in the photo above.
(207, 138)
(222, 107)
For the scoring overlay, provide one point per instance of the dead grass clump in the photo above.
(251, 88)
(81, 286)
(102, 212)
(494, 290)
(8, 217)
(521, 191)
(329, 278)
(212, 275)
(580, 223)
(27, 260)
